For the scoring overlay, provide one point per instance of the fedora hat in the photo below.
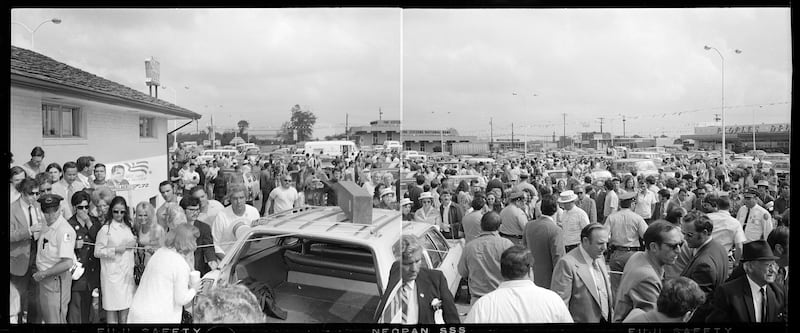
(762, 183)
(567, 196)
(757, 250)
(405, 201)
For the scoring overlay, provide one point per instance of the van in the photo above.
(348, 149)
(626, 166)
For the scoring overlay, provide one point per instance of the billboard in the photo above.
(137, 180)
(152, 71)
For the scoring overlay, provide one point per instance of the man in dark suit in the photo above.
(709, 264)
(413, 287)
(205, 254)
(24, 225)
(778, 240)
(545, 240)
(660, 211)
(754, 297)
(451, 215)
(414, 191)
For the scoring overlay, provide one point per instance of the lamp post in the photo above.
(441, 132)
(737, 51)
(524, 107)
(54, 20)
(755, 126)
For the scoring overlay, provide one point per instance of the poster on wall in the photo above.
(137, 180)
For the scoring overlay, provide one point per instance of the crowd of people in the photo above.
(628, 248)
(537, 249)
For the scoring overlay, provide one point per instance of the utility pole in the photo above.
(512, 136)
(380, 114)
(601, 125)
(623, 127)
(491, 135)
(346, 119)
(564, 144)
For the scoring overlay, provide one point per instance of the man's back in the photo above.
(480, 263)
(544, 238)
(639, 287)
(519, 301)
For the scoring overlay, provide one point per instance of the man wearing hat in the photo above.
(513, 218)
(573, 219)
(586, 203)
(626, 228)
(54, 260)
(756, 221)
(764, 197)
(754, 297)
(524, 184)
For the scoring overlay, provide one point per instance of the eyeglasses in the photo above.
(675, 246)
(118, 211)
(82, 207)
(286, 180)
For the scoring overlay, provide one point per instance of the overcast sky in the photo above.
(451, 67)
(252, 64)
(591, 63)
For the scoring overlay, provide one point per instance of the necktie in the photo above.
(763, 304)
(30, 216)
(404, 301)
(746, 217)
(601, 290)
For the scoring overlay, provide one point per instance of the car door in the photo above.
(449, 253)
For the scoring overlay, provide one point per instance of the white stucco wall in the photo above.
(111, 135)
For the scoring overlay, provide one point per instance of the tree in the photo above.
(243, 126)
(301, 123)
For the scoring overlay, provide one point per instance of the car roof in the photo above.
(331, 223)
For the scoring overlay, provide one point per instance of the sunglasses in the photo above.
(286, 180)
(675, 246)
(82, 207)
(33, 193)
(118, 211)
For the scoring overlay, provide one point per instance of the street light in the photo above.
(441, 132)
(33, 32)
(525, 133)
(737, 51)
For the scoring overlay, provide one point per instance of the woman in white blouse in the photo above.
(115, 243)
(151, 235)
(166, 287)
(427, 213)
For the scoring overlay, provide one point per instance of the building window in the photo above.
(146, 125)
(389, 135)
(61, 121)
(375, 138)
(422, 146)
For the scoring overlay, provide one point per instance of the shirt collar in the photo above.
(585, 254)
(489, 233)
(753, 286)
(516, 284)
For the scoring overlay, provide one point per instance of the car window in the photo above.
(441, 245)
(433, 253)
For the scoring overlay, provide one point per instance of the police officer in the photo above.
(54, 261)
(756, 220)
(86, 227)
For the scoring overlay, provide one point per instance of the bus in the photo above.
(347, 149)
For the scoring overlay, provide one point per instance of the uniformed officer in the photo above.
(86, 227)
(756, 221)
(625, 228)
(54, 260)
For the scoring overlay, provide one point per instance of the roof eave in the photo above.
(53, 87)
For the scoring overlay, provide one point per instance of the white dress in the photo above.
(163, 291)
(116, 270)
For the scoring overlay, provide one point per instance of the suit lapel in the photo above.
(20, 215)
(748, 300)
(583, 271)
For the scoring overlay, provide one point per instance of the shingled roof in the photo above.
(34, 69)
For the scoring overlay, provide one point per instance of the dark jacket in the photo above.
(202, 255)
(454, 217)
(733, 303)
(414, 192)
(709, 268)
(430, 284)
(85, 254)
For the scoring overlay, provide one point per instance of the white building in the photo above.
(71, 113)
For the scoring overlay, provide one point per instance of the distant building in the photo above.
(71, 113)
(422, 140)
(739, 138)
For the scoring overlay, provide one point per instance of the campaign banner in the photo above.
(137, 180)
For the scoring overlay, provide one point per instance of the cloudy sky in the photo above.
(646, 64)
(453, 67)
(252, 64)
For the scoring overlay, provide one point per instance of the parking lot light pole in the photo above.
(706, 47)
(54, 20)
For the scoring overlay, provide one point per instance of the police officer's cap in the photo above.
(627, 196)
(50, 200)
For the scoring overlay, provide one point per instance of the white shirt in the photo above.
(759, 225)
(573, 221)
(519, 301)
(755, 292)
(222, 230)
(163, 290)
(283, 198)
(727, 230)
(214, 207)
(644, 204)
(412, 317)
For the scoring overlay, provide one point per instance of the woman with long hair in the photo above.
(628, 184)
(114, 248)
(166, 285)
(493, 202)
(55, 172)
(151, 235)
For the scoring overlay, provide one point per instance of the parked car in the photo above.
(323, 267)
(643, 167)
